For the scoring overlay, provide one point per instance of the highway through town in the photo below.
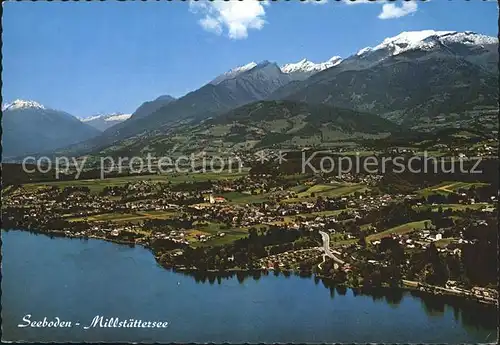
(326, 248)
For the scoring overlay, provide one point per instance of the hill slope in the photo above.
(264, 124)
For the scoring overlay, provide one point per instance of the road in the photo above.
(326, 247)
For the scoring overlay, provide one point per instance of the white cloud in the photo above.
(390, 11)
(211, 24)
(233, 17)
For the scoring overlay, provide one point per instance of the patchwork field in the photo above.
(456, 207)
(118, 217)
(400, 229)
(327, 190)
(243, 198)
(97, 185)
(449, 187)
(312, 215)
(215, 229)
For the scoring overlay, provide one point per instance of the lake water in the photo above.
(76, 280)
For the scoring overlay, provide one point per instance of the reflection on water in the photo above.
(79, 279)
(468, 313)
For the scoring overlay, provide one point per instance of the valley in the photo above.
(250, 171)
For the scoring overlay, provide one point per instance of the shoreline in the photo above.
(405, 285)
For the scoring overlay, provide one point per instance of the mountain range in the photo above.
(406, 78)
(29, 127)
(411, 79)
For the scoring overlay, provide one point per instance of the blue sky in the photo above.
(91, 57)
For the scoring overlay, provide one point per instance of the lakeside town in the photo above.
(354, 229)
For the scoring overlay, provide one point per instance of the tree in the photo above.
(362, 239)
(252, 233)
(436, 272)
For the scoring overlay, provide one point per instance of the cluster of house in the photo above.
(117, 230)
(217, 209)
(479, 293)
(485, 292)
(204, 237)
(289, 259)
(422, 238)
(209, 205)
(485, 149)
(214, 199)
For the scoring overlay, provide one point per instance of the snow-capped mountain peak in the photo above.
(305, 68)
(364, 50)
(21, 104)
(246, 67)
(107, 117)
(92, 118)
(233, 73)
(468, 38)
(305, 65)
(406, 40)
(426, 40)
(118, 117)
(104, 121)
(335, 60)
